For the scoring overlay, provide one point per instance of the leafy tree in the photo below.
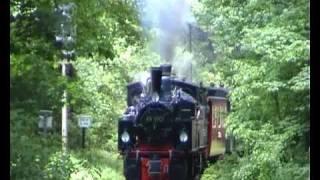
(105, 30)
(263, 55)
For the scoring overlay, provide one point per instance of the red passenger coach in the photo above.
(171, 127)
(218, 111)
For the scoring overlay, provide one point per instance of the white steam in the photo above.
(182, 65)
(170, 18)
(141, 77)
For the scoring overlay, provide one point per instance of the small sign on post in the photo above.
(45, 120)
(84, 122)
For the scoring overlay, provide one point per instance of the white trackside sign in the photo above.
(85, 121)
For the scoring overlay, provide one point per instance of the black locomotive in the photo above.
(169, 127)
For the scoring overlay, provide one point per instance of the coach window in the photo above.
(218, 116)
(212, 120)
(213, 116)
(222, 115)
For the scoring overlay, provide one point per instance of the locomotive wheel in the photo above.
(204, 163)
(191, 168)
(200, 164)
(196, 164)
(179, 170)
(131, 169)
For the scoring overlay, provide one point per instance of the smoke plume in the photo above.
(170, 18)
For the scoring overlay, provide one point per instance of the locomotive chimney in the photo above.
(166, 69)
(156, 74)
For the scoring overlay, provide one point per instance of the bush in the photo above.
(29, 151)
(60, 166)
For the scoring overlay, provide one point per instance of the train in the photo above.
(171, 127)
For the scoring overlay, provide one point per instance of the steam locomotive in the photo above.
(171, 127)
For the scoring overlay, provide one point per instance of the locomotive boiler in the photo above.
(171, 127)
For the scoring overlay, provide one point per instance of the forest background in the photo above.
(259, 50)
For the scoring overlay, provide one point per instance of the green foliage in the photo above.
(221, 169)
(100, 24)
(97, 164)
(107, 37)
(60, 166)
(262, 56)
(27, 146)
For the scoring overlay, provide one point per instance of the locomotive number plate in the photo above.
(155, 119)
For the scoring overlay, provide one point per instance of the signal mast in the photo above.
(65, 41)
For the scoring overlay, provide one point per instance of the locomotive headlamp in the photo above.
(183, 137)
(125, 137)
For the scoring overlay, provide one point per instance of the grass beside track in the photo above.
(97, 164)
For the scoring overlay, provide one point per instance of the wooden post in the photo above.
(83, 137)
(45, 126)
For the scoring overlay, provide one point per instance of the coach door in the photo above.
(219, 110)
